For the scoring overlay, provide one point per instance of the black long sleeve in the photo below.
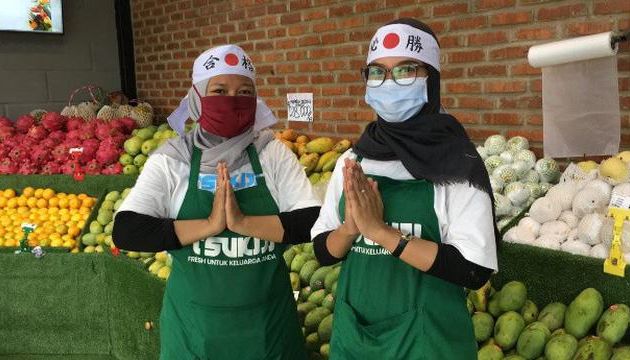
(321, 250)
(450, 265)
(297, 224)
(139, 232)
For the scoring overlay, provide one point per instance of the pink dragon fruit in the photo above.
(53, 121)
(51, 168)
(113, 169)
(5, 122)
(105, 130)
(40, 155)
(8, 167)
(27, 168)
(58, 136)
(129, 123)
(74, 123)
(17, 154)
(93, 167)
(24, 123)
(107, 155)
(37, 132)
(6, 133)
(60, 153)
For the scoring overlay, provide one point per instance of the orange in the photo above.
(82, 196)
(3, 201)
(74, 203)
(88, 202)
(81, 223)
(76, 217)
(28, 192)
(42, 203)
(53, 202)
(31, 202)
(38, 193)
(48, 193)
(56, 243)
(21, 200)
(9, 193)
(69, 244)
(10, 243)
(12, 203)
(61, 229)
(84, 210)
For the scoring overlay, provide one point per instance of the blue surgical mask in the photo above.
(397, 103)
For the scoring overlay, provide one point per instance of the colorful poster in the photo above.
(31, 16)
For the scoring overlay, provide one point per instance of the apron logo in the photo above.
(237, 247)
(208, 182)
(366, 246)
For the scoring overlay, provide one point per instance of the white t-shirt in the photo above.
(162, 185)
(464, 212)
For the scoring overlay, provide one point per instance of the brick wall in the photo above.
(319, 45)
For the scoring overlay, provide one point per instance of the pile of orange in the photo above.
(58, 217)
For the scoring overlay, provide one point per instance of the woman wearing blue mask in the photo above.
(410, 213)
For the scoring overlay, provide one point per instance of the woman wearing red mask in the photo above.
(224, 200)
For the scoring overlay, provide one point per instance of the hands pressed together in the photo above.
(364, 206)
(225, 210)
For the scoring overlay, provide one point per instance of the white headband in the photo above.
(221, 60)
(404, 40)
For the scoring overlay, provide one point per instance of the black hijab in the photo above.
(430, 145)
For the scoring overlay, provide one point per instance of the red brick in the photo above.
(480, 134)
(532, 135)
(561, 12)
(347, 50)
(535, 120)
(438, 27)
(291, 18)
(487, 38)
(501, 119)
(345, 102)
(368, 6)
(415, 12)
(468, 102)
(335, 38)
(322, 79)
(494, 4)
(295, 55)
(470, 23)
(333, 91)
(524, 69)
(536, 34)
(509, 53)
(309, 41)
(340, 11)
(348, 128)
(612, 7)
(505, 86)
(256, 11)
(535, 85)
(323, 127)
(331, 65)
(450, 9)
(466, 56)
(464, 87)
(484, 70)
(362, 115)
(297, 79)
(511, 18)
(325, 26)
(588, 28)
(308, 67)
(450, 41)
(277, 32)
(382, 17)
(277, 8)
(466, 117)
(451, 73)
(315, 14)
(352, 22)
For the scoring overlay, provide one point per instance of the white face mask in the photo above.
(397, 103)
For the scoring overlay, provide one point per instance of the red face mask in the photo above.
(227, 116)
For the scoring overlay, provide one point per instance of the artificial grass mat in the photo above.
(94, 306)
(82, 306)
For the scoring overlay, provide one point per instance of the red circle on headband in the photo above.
(231, 59)
(391, 40)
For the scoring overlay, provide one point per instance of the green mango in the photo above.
(295, 281)
(288, 256)
(479, 297)
(583, 312)
(513, 296)
(622, 353)
(613, 324)
(508, 328)
(493, 305)
(317, 280)
(305, 293)
(307, 271)
(490, 352)
(470, 306)
(312, 342)
(304, 309)
(329, 302)
(325, 351)
(593, 348)
(529, 312)
(552, 315)
(331, 278)
(514, 357)
(531, 343)
(561, 347)
(557, 332)
(317, 297)
(314, 318)
(325, 328)
(483, 326)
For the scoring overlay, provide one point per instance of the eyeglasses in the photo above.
(374, 75)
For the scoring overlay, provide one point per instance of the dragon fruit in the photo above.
(6, 133)
(16, 154)
(8, 167)
(5, 122)
(37, 132)
(105, 130)
(113, 169)
(74, 123)
(53, 121)
(51, 168)
(93, 167)
(40, 155)
(27, 168)
(129, 123)
(24, 123)
(107, 154)
(67, 168)
(60, 152)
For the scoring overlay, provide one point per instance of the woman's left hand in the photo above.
(233, 216)
(366, 203)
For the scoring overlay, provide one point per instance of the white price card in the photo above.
(300, 106)
(619, 201)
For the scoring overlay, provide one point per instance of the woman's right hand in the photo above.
(217, 219)
(348, 227)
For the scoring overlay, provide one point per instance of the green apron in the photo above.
(229, 296)
(387, 309)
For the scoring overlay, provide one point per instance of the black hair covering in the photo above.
(430, 145)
